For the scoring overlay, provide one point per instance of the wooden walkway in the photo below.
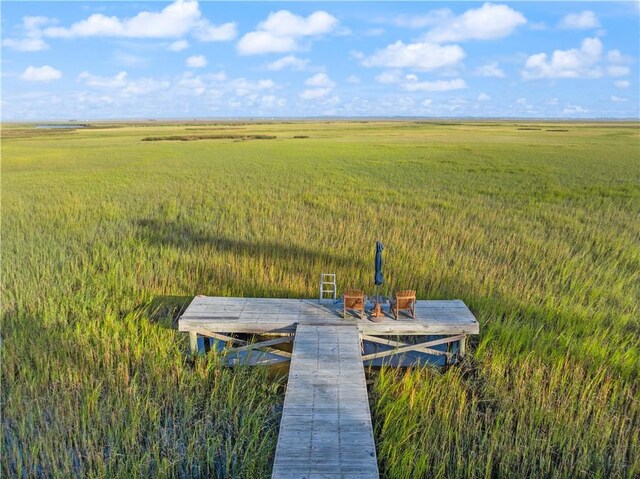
(325, 431)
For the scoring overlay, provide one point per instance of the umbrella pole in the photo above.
(377, 310)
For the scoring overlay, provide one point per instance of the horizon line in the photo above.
(320, 117)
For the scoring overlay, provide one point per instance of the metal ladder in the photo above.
(328, 285)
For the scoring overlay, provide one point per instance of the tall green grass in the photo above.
(105, 237)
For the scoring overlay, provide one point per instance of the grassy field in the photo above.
(105, 237)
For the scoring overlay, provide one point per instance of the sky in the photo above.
(189, 59)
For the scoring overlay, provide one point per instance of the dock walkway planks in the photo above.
(325, 431)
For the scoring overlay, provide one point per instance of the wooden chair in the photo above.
(404, 301)
(353, 299)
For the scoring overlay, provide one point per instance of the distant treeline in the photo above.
(208, 137)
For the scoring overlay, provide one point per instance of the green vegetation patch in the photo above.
(104, 242)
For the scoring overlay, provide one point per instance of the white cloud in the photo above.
(315, 93)
(272, 101)
(485, 23)
(44, 73)
(421, 56)
(205, 32)
(438, 85)
(217, 77)
(323, 86)
(618, 71)
(573, 63)
(175, 20)
(427, 102)
(178, 46)
(290, 61)
(25, 44)
(35, 22)
(571, 109)
(130, 60)
(144, 86)
(523, 105)
(617, 99)
(394, 76)
(285, 24)
(118, 81)
(244, 87)
(329, 102)
(353, 79)
(122, 83)
(431, 18)
(618, 62)
(215, 85)
(490, 70)
(32, 41)
(256, 43)
(616, 56)
(94, 101)
(196, 61)
(621, 84)
(189, 85)
(282, 30)
(580, 21)
(410, 82)
(320, 80)
(483, 97)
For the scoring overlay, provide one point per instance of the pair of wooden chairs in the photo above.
(353, 299)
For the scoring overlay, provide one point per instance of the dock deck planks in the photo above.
(262, 315)
(326, 429)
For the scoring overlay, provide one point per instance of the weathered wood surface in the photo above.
(262, 315)
(325, 431)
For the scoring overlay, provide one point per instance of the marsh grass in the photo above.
(105, 238)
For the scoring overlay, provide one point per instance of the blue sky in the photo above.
(188, 59)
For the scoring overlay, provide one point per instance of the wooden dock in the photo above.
(325, 430)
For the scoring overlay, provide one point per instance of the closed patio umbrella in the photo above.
(378, 278)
